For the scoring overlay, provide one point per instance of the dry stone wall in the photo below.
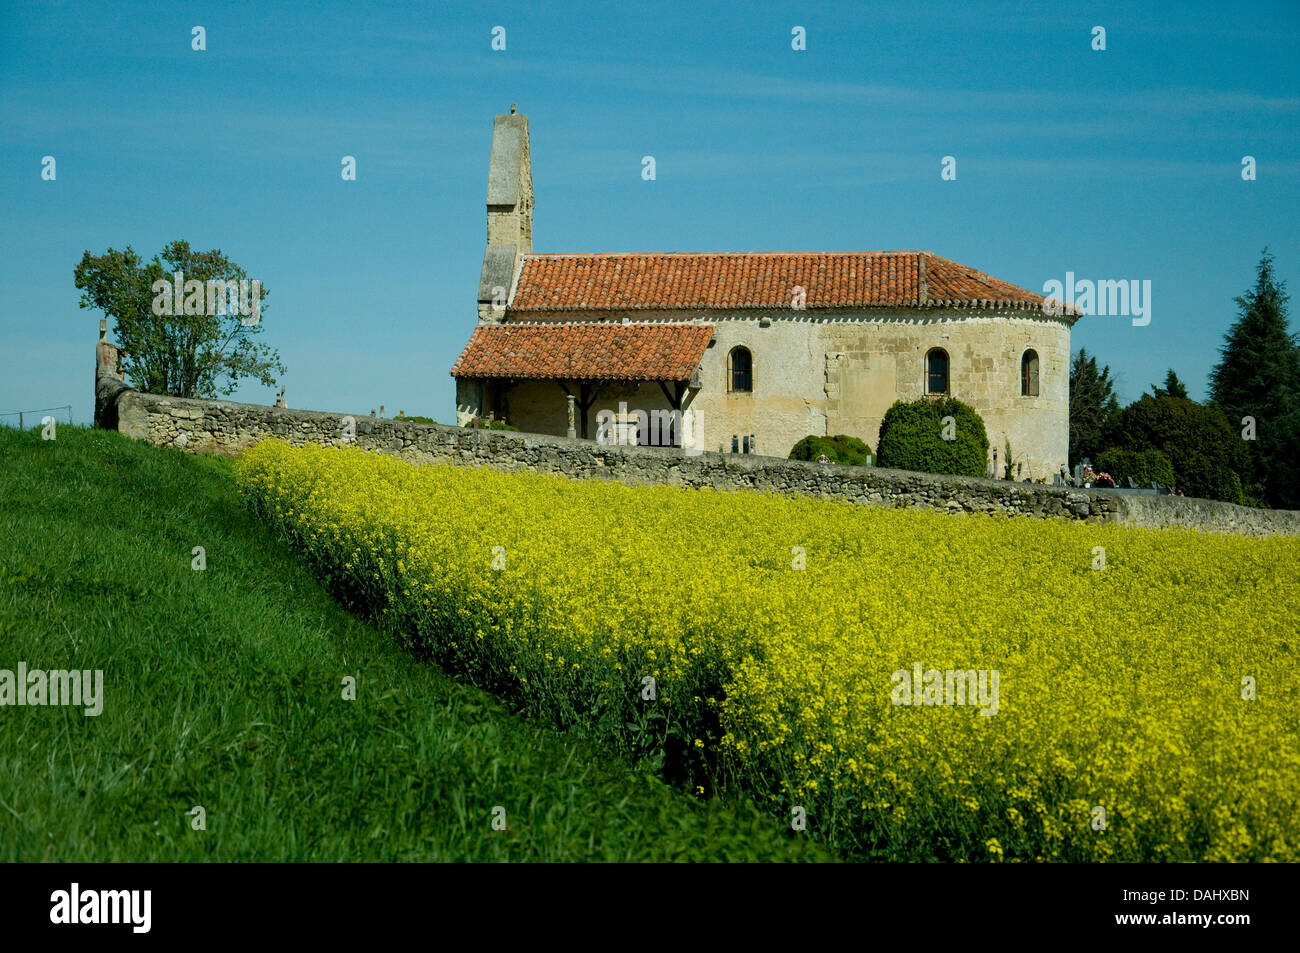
(228, 428)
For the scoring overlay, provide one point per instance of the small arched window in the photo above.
(1029, 374)
(740, 372)
(936, 371)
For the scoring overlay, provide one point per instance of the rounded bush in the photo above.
(911, 438)
(851, 450)
(838, 449)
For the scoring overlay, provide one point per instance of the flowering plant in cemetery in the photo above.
(1161, 689)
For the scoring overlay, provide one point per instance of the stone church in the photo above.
(749, 352)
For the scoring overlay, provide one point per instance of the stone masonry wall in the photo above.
(227, 428)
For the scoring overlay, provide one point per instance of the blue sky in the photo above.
(1122, 164)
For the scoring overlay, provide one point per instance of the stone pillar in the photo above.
(573, 431)
(109, 382)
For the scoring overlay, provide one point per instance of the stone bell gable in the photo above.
(509, 212)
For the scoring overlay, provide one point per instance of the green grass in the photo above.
(223, 688)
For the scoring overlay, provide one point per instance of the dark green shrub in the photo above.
(1144, 466)
(1208, 456)
(415, 420)
(911, 438)
(811, 447)
(851, 450)
(838, 449)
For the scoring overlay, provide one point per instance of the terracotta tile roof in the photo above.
(642, 352)
(675, 281)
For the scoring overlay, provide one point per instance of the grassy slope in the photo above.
(223, 689)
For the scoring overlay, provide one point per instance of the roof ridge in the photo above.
(723, 254)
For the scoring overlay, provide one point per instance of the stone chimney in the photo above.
(509, 214)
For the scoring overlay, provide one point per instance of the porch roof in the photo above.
(597, 351)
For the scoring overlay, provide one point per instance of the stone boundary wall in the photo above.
(227, 428)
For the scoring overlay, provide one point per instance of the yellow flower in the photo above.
(1111, 692)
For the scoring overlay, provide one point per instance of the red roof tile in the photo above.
(674, 281)
(643, 352)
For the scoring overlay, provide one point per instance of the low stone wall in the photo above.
(224, 427)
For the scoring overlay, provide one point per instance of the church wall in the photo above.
(788, 398)
(984, 351)
(839, 372)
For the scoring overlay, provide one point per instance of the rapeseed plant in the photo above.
(1162, 690)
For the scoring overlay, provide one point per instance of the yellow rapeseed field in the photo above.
(1133, 694)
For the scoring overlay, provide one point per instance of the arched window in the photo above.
(936, 371)
(1029, 374)
(740, 372)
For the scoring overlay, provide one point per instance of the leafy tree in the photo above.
(912, 438)
(1207, 454)
(184, 355)
(1258, 376)
(1173, 387)
(1093, 405)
